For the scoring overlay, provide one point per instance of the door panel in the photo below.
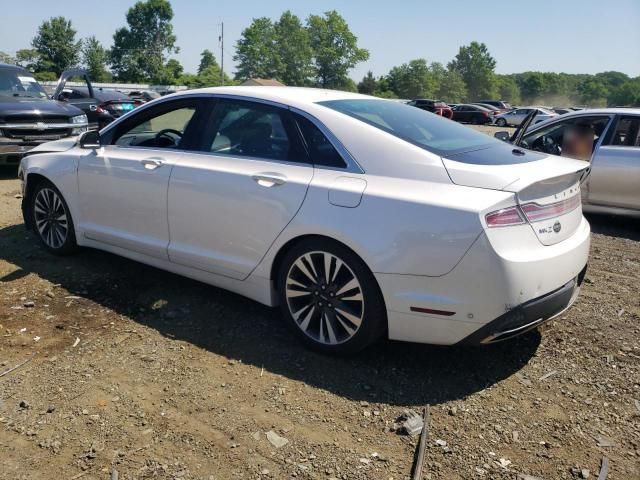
(123, 197)
(615, 177)
(123, 185)
(225, 212)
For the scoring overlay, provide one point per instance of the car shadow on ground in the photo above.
(237, 328)
(615, 226)
(8, 172)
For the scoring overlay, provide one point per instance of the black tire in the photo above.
(55, 230)
(323, 316)
(501, 122)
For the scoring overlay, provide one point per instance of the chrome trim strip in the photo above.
(39, 126)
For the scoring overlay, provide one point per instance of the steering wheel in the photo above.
(550, 146)
(166, 134)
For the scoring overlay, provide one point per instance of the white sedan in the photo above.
(360, 217)
(517, 115)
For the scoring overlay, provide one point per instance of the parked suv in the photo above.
(28, 117)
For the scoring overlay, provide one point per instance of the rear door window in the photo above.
(627, 132)
(321, 150)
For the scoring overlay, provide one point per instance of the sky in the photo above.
(572, 36)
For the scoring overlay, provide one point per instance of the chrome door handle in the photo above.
(152, 164)
(269, 179)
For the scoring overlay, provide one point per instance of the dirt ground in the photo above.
(134, 373)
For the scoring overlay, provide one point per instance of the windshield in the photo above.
(431, 132)
(19, 83)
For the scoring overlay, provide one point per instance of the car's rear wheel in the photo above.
(330, 298)
(51, 219)
(501, 122)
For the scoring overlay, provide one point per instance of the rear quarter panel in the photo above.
(400, 226)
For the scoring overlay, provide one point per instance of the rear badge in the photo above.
(557, 227)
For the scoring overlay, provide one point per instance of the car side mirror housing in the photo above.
(90, 140)
(502, 135)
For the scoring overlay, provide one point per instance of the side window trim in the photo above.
(352, 165)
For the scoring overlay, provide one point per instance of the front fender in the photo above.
(58, 168)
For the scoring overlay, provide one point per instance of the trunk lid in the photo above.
(546, 187)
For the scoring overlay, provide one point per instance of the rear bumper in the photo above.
(501, 284)
(529, 315)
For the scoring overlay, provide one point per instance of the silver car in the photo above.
(612, 146)
(516, 116)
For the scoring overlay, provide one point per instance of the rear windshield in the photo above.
(427, 130)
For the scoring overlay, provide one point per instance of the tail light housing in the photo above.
(531, 212)
(505, 217)
(535, 212)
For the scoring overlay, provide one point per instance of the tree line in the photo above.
(319, 51)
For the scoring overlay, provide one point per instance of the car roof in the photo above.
(13, 67)
(293, 96)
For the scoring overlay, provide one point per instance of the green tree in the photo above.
(368, 85)
(209, 77)
(6, 58)
(627, 94)
(508, 89)
(335, 49)
(612, 79)
(477, 67)
(27, 58)
(412, 80)
(294, 50)
(170, 73)
(593, 92)
(56, 45)
(448, 84)
(257, 52)
(532, 86)
(140, 49)
(207, 59)
(95, 58)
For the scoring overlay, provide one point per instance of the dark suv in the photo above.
(28, 117)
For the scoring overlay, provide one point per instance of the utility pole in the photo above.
(221, 40)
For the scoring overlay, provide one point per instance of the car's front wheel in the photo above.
(501, 122)
(330, 298)
(51, 219)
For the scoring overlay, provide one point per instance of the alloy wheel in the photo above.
(50, 217)
(324, 297)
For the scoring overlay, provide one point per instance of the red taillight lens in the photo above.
(504, 218)
(536, 213)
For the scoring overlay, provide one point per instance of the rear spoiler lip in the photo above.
(584, 174)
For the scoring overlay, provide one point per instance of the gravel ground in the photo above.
(134, 373)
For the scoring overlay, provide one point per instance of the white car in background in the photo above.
(360, 217)
(515, 117)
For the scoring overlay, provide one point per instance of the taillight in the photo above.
(535, 212)
(504, 218)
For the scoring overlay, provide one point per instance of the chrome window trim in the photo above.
(352, 165)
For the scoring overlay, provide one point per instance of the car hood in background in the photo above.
(482, 168)
(14, 106)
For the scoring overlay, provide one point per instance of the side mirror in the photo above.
(90, 140)
(502, 135)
